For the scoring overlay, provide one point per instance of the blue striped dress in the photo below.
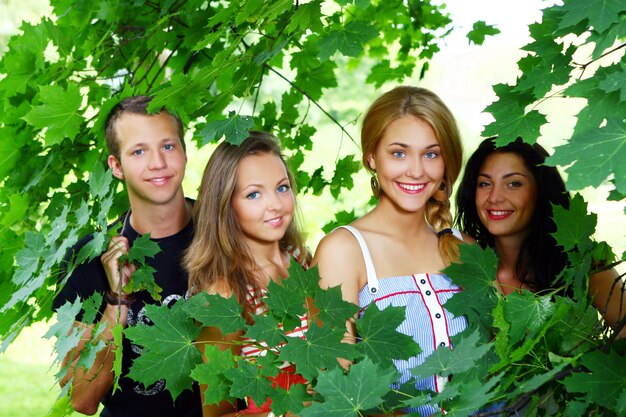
(427, 321)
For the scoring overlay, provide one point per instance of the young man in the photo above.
(147, 152)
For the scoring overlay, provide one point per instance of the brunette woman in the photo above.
(245, 238)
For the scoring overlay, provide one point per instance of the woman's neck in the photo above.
(508, 255)
(398, 221)
(270, 262)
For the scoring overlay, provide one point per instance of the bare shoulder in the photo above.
(338, 244)
(340, 262)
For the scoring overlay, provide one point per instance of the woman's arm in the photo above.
(213, 336)
(340, 262)
(608, 295)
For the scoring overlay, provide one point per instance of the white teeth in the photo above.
(499, 212)
(410, 187)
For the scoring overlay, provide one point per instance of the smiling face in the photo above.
(408, 163)
(263, 200)
(152, 159)
(506, 194)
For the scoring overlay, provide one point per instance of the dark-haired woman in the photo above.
(505, 202)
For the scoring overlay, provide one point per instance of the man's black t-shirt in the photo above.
(134, 399)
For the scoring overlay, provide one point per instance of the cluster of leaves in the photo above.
(548, 354)
(211, 62)
(536, 340)
(577, 52)
(60, 78)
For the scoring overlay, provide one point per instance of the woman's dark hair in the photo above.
(540, 259)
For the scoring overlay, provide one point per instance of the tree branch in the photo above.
(318, 105)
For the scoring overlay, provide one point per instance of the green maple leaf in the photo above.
(348, 40)
(95, 247)
(268, 329)
(143, 279)
(82, 214)
(600, 14)
(58, 226)
(345, 395)
(615, 81)
(215, 310)
(342, 178)
(515, 122)
(67, 336)
(319, 350)
(117, 361)
(604, 383)
(382, 73)
(314, 80)
(475, 275)
(58, 112)
(575, 225)
(249, 380)
(445, 361)
(28, 258)
(18, 206)
(235, 128)
(604, 149)
(480, 31)
(10, 150)
(286, 301)
(143, 247)
(378, 338)
(536, 381)
(211, 373)
(307, 16)
(303, 282)
(470, 396)
(289, 400)
(341, 217)
(600, 105)
(333, 310)
(561, 310)
(605, 40)
(169, 350)
(527, 313)
(317, 182)
(620, 406)
(575, 408)
(99, 181)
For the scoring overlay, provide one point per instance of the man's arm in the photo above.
(89, 386)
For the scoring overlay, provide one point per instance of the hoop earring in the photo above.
(375, 186)
(443, 193)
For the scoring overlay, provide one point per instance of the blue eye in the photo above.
(283, 188)
(138, 152)
(431, 155)
(253, 195)
(399, 154)
(168, 147)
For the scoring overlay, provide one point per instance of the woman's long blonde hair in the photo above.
(218, 257)
(427, 106)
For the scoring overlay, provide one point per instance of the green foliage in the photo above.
(210, 62)
(480, 31)
(595, 33)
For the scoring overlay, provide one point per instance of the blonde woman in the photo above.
(393, 255)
